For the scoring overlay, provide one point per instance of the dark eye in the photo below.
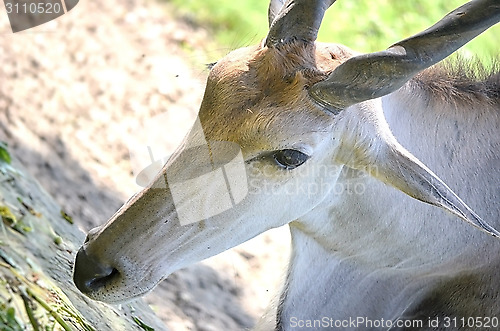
(290, 158)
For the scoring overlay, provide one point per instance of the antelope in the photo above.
(293, 131)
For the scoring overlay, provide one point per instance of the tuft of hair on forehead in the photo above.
(463, 82)
(260, 86)
(286, 63)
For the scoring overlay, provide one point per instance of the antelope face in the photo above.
(257, 116)
(277, 124)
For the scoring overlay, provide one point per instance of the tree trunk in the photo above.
(38, 243)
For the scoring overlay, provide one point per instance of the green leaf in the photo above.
(143, 325)
(68, 218)
(4, 154)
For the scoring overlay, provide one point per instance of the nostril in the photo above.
(90, 275)
(101, 280)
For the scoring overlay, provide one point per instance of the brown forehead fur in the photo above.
(256, 93)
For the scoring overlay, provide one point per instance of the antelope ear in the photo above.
(397, 167)
(369, 145)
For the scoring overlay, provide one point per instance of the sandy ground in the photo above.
(77, 96)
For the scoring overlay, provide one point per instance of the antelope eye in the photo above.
(289, 158)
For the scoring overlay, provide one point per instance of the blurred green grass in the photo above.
(363, 25)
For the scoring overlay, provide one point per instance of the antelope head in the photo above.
(278, 123)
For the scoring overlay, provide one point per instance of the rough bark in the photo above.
(38, 243)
